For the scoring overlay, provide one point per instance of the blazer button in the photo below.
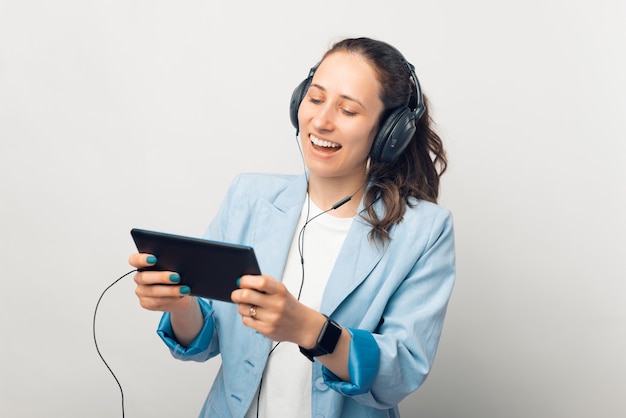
(320, 385)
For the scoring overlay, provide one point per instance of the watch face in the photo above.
(329, 337)
(326, 341)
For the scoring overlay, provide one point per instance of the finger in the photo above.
(140, 260)
(157, 277)
(247, 297)
(161, 291)
(164, 303)
(246, 309)
(260, 283)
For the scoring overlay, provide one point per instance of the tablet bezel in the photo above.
(209, 268)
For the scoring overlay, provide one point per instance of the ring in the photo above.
(252, 311)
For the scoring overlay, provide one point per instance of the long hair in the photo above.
(415, 173)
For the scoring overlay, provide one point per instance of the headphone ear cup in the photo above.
(296, 98)
(394, 135)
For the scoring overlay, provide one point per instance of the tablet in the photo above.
(209, 268)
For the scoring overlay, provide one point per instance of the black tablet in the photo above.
(209, 268)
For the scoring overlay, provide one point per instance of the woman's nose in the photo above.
(324, 119)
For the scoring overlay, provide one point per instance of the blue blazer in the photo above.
(392, 300)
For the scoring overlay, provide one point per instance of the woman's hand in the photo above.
(266, 306)
(158, 290)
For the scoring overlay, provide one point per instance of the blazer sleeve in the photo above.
(202, 348)
(391, 362)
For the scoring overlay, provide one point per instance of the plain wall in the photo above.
(120, 114)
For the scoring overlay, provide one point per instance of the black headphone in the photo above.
(395, 132)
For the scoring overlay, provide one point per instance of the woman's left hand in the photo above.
(266, 305)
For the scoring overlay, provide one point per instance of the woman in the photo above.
(358, 260)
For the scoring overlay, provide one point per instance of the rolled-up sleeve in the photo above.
(363, 364)
(197, 350)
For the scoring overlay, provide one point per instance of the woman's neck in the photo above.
(326, 193)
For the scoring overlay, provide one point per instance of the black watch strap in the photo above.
(326, 341)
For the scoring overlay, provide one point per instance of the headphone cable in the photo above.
(95, 340)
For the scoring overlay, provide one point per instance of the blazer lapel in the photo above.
(357, 258)
(275, 225)
(275, 222)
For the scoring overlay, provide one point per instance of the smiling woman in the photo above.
(357, 258)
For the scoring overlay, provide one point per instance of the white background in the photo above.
(137, 113)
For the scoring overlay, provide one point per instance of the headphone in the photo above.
(395, 132)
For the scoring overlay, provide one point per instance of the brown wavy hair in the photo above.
(415, 173)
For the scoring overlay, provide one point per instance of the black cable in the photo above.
(301, 248)
(301, 254)
(95, 340)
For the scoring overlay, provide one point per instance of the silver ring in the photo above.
(252, 311)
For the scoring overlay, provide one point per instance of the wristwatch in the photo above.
(326, 341)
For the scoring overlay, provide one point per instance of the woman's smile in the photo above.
(320, 143)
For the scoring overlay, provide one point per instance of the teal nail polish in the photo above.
(238, 281)
(151, 259)
(174, 278)
(184, 290)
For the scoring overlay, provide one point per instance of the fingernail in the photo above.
(238, 281)
(174, 278)
(184, 290)
(151, 259)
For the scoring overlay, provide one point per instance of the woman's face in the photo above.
(339, 117)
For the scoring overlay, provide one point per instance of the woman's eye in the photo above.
(315, 100)
(348, 112)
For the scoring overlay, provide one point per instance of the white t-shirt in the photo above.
(286, 385)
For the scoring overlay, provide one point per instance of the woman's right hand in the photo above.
(159, 290)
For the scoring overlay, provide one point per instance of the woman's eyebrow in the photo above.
(343, 96)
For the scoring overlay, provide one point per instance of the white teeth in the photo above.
(321, 143)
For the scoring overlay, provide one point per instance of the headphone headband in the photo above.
(420, 108)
